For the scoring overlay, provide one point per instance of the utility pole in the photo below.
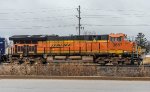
(79, 19)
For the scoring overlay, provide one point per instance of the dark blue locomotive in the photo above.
(2, 48)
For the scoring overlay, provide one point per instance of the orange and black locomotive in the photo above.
(102, 49)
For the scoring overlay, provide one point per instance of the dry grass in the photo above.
(146, 60)
(72, 70)
(48, 70)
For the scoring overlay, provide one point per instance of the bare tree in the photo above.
(142, 42)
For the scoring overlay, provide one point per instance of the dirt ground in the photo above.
(76, 77)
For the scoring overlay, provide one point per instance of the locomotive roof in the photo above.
(77, 37)
(56, 37)
(28, 37)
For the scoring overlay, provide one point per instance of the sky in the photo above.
(46, 17)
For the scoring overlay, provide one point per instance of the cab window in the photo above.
(113, 39)
(119, 39)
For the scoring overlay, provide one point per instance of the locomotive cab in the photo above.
(116, 37)
(116, 42)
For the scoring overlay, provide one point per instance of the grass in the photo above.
(146, 60)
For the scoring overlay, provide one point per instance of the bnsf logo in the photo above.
(117, 44)
(60, 45)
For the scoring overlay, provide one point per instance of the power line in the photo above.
(79, 19)
(137, 25)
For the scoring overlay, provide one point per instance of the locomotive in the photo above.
(103, 49)
(3, 44)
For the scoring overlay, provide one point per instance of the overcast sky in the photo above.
(59, 17)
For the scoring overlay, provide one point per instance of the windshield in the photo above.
(114, 39)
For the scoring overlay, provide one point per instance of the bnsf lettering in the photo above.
(60, 45)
